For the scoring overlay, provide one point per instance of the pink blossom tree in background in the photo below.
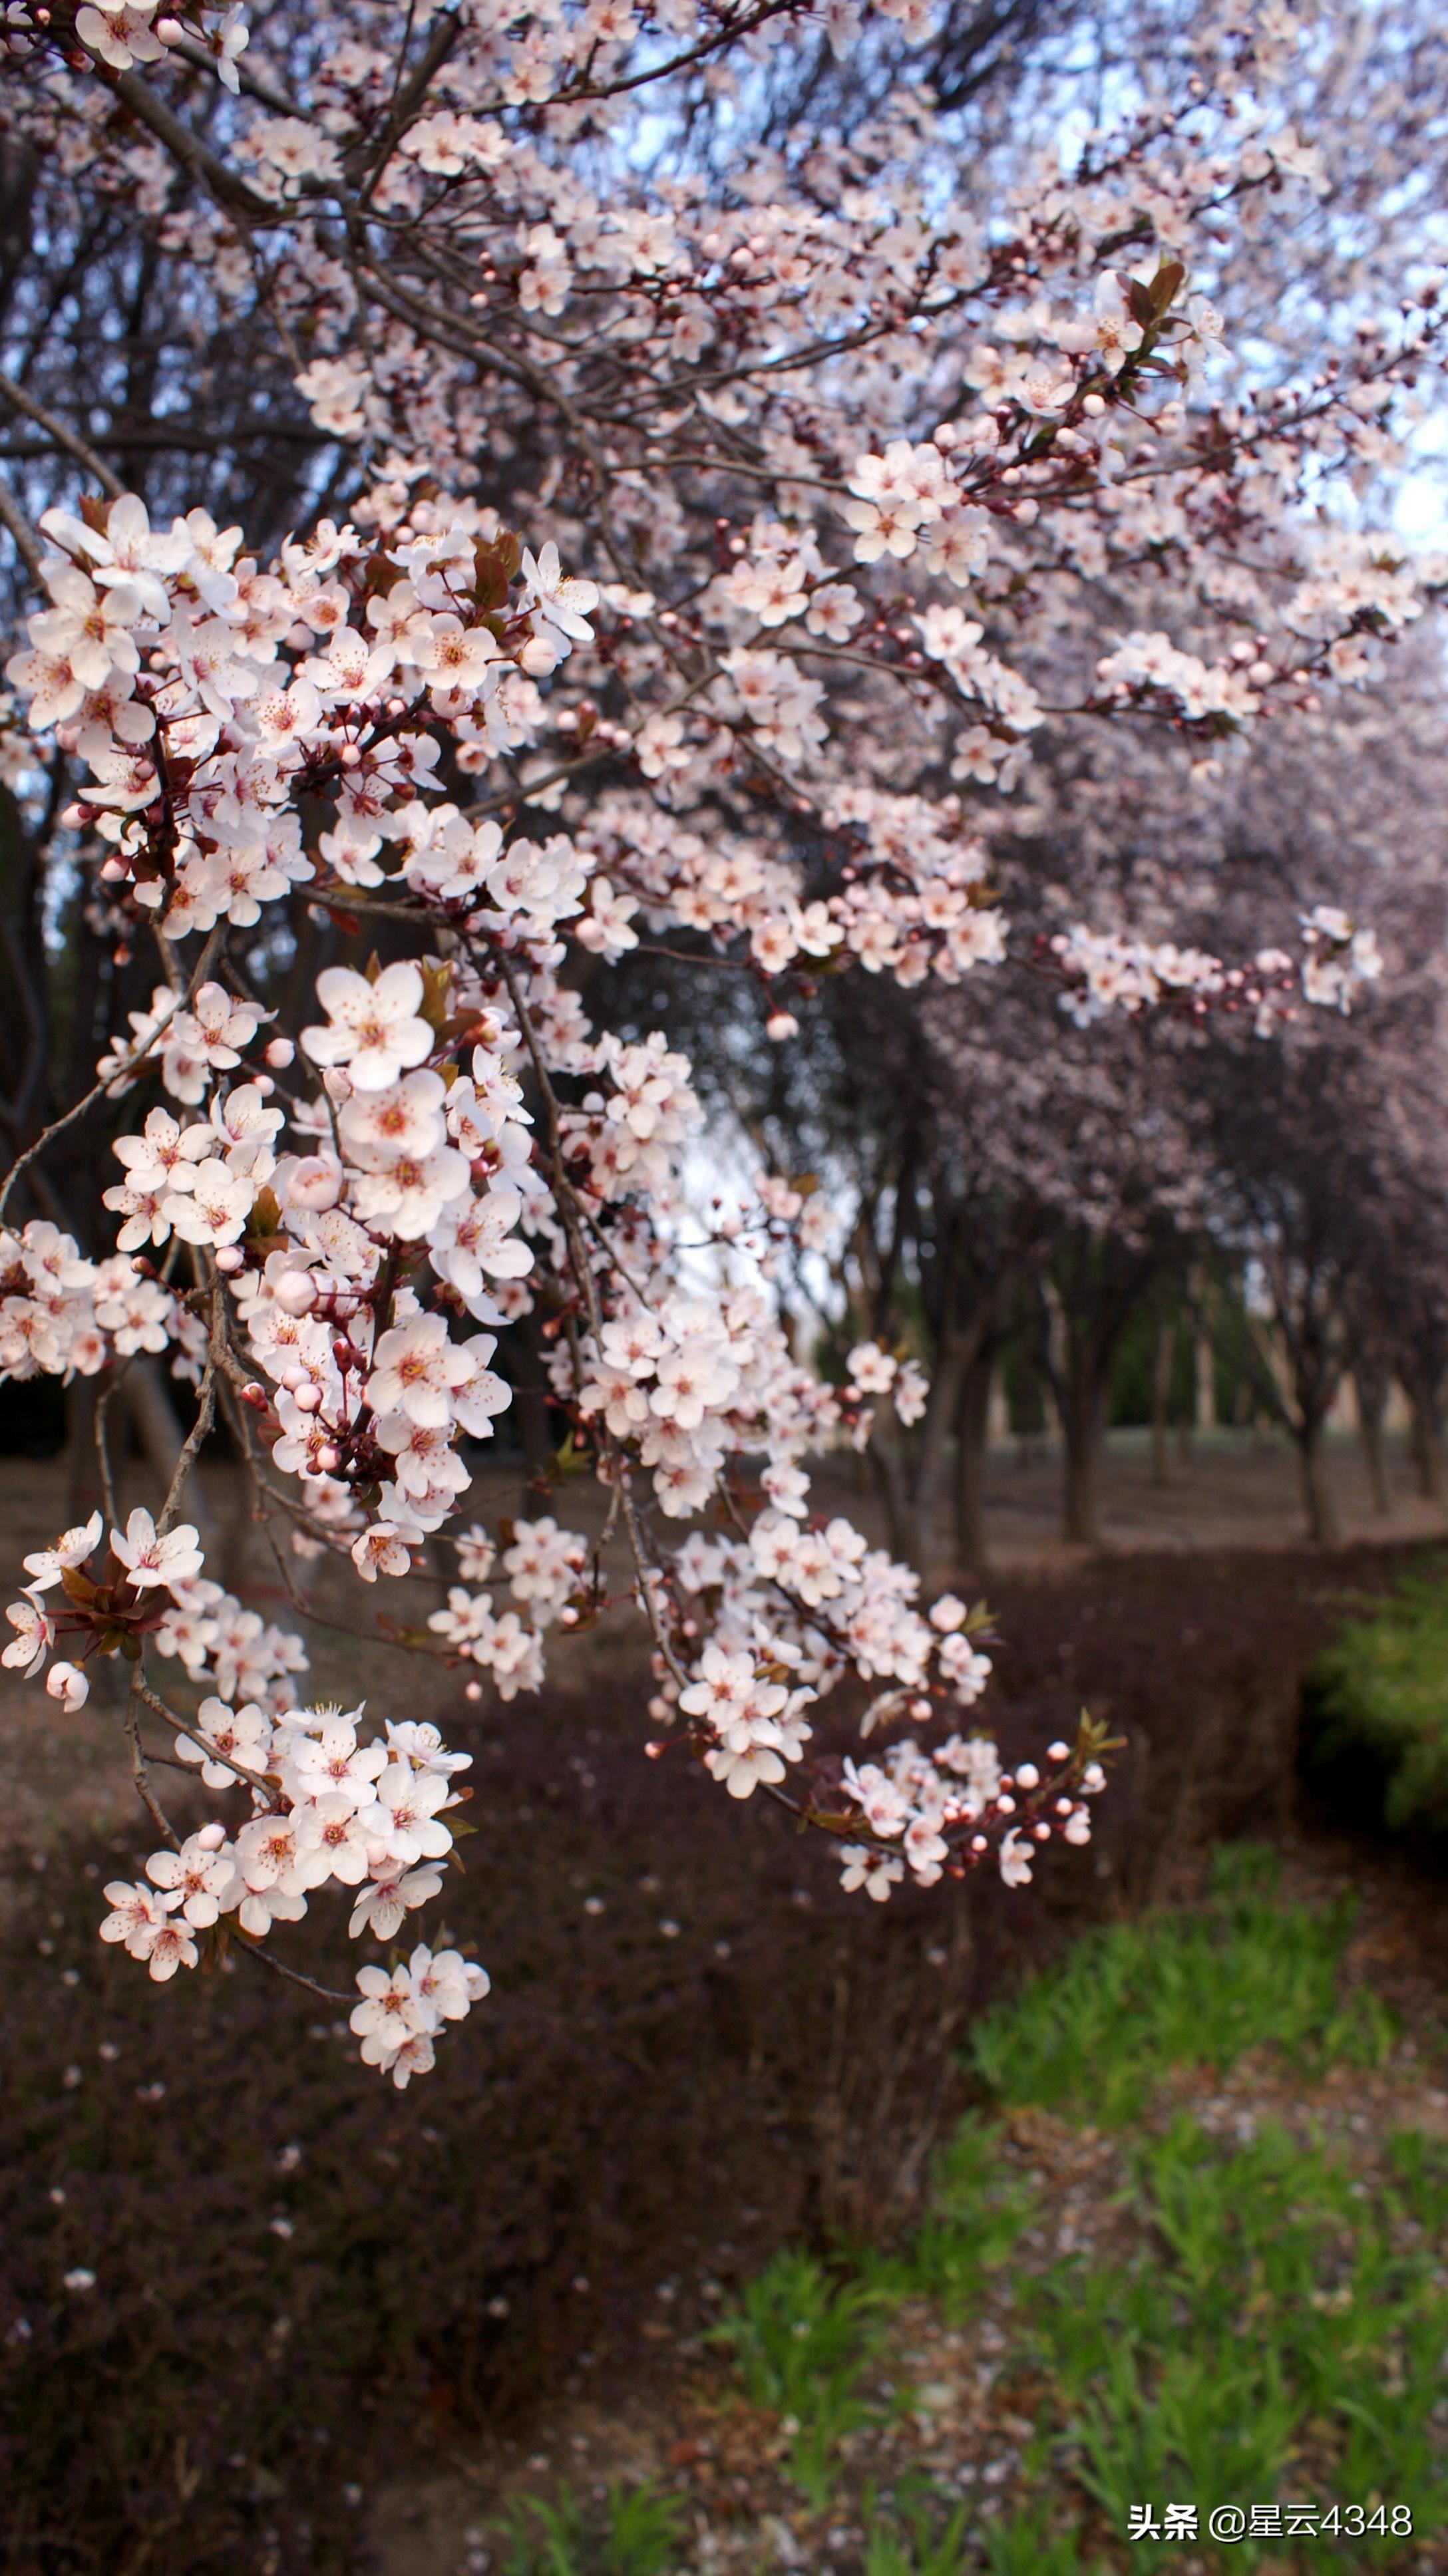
(493, 499)
(1008, 1181)
(1333, 1133)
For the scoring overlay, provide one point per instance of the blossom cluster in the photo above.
(544, 1565)
(324, 1806)
(932, 1804)
(351, 1205)
(1109, 971)
(1067, 385)
(840, 464)
(61, 1314)
(161, 662)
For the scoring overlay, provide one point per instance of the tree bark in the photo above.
(1033, 1409)
(1083, 1423)
(82, 1462)
(901, 1528)
(1104, 1284)
(530, 1399)
(932, 1483)
(972, 1425)
(1161, 1370)
(1370, 1387)
(1317, 1496)
(1426, 1446)
(1205, 1391)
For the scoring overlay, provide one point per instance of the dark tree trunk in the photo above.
(972, 1423)
(1083, 1422)
(82, 1460)
(1030, 1417)
(932, 1482)
(1093, 1295)
(1162, 1358)
(140, 1398)
(888, 1469)
(1204, 1381)
(1425, 1443)
(1370, 1385)
(1318, 1505)
(143, 1394)
(530, 1400)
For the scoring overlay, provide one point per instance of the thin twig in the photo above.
(253, 1950)
(254, 1779)
(69, 439)
(571, 1213)
(103, 1454)
(22, 535)
(205, 1415)
(144, 1791)
(143, 1048)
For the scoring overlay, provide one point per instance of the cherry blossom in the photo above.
(374, 1028)
(152, 1558)
(718, 556)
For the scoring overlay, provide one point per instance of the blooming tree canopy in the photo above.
(688, 553)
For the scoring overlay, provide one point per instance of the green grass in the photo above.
(1271, 2329)
(915, 2543)
(1027, 2545)
(1095, 2036)
(802, 2341)
(923, 2536)
(639, 2534)
(1269, 2293)
(977, 2215)
(1377, 1700)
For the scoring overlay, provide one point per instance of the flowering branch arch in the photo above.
(328, 1226)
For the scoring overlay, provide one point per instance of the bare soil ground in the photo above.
(1229, 1489)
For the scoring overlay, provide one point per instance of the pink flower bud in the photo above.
(279, 1054)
